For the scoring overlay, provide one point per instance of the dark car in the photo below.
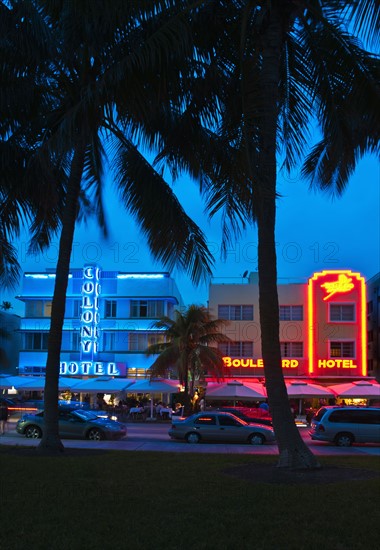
(218, 427)
(252, 416)
(73, 424)
(7, 401)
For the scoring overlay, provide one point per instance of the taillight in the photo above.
(321, 428)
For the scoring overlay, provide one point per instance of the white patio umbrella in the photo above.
(154, 386)
(33, 383)
(235, 390)
(298, 389)
(365, 389)
(8, 382)
(102, 384)
(37, 383)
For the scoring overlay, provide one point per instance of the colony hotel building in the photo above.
(108, 320)
(323, 327)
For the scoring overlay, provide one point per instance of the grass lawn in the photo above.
(162, 501)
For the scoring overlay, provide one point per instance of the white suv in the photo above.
(346, 425)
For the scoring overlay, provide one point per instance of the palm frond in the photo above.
(173, 237)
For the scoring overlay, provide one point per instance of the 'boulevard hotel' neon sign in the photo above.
(89, 330)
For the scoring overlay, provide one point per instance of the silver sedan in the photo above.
(220, 426)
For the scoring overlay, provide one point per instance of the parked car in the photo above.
(220, 426)
(9, 402)
(251, 416)
(73, 424)
(346, 425)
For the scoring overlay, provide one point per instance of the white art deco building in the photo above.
(108, 320)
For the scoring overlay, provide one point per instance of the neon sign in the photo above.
(257, 363)
(89, 331)
(336, 364)
(89, 368)
(342, 285)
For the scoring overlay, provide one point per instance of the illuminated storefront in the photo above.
(323, 329)
(108, 321)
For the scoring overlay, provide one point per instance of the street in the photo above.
(154, 437)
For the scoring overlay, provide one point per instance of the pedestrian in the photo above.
(4, 414)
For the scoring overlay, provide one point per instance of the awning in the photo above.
(155, 386)
(365, 389)
(103, 384)
(236, 390)
(299, 389)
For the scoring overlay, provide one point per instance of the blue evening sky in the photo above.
(314, 232)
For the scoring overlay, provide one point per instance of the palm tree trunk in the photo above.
(51, 441)
(293, 452)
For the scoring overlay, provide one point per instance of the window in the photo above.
(342, 312)
(75, 341)
(109, 340)
(236, 349)
(291, 313)
(355, 416)
(139, 341)
(227, 421)
(342, 349)
(111, 308)
(36, 340)
(209, 420)
(147, 308)
(291, 349)
(77, 308)
(38, 308)
(235, 313)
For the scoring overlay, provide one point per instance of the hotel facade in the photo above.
(108, 321)
(109, 318)
(323, 327)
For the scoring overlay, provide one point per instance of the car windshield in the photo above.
(319, 415)
(85, 415)
(190, 418)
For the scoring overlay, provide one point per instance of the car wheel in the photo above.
(193, 438)
(257, 439)
(33, 432)
(344, 439)
(95, 435)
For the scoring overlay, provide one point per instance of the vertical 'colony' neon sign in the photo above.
(89, 330)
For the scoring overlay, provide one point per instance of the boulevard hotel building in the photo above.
(110, 315)
(323, 327)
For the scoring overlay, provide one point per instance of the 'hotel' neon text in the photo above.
(336, 363)
(88, 368)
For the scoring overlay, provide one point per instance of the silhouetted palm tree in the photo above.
(267, 72)
(188, 347)
(97, 99)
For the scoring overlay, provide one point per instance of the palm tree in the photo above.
(86, 112)
(270, 70)
(188, 347)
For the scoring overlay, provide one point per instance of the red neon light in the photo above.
(337, 282)
(341, 285)
(238, 362)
